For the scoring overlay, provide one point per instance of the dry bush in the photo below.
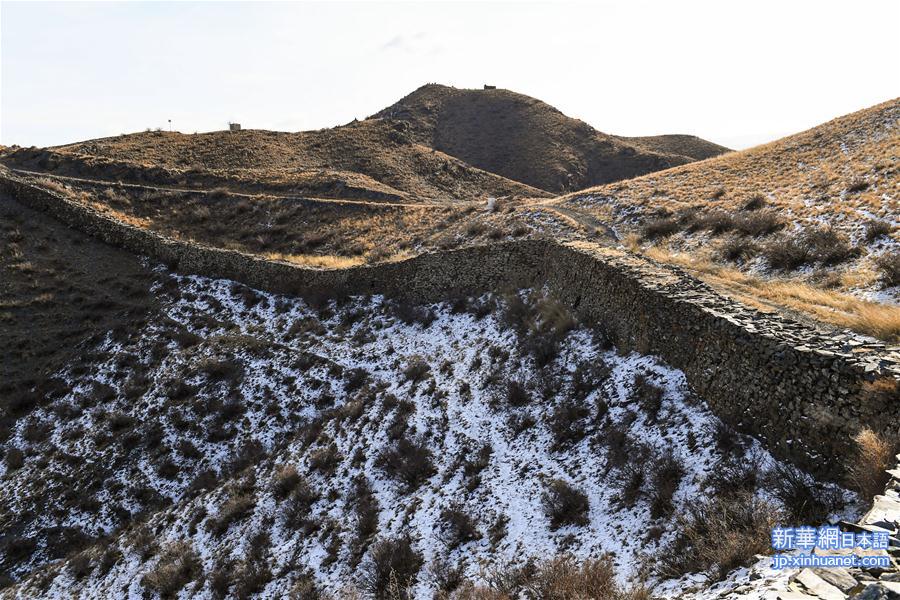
(720, 534)
(822, 245)
(476, 463)
(540, 322)
(665, 477)
(889, 265)
(567, 579)
(648, 395)
(806, 500)
(866, 470)
(755, 202)
(410, 314)
(286, 481)
(459, 527)
(296, 509)
(326, 459)
(735, 249)
(392, 569)
(366, 508)
(567, 424)
(516, 394)
(559, 578)
(588, 376)
(660, 228)
(408, 461)
(786, 253)
(565, 505)
(14, 458)
(178, 566)
(875, 229)
(230, 370)
(417, 369)
(236, 508)
(758, 224)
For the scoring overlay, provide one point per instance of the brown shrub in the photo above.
(416, 370)
(560, 578)
(459, 527)
(660, 228)
(756, 202)
(286, 480)
(234, 509)
(648, 395)
(757, 224)
(889, 265)
(720, 534)
(178, 566)
(565, 505)
(665, 477)
(392, 570)
(866, 471)
(806, 500)
(567, 423)
(408, 461)
(876, 229)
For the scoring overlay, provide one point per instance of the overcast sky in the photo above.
(734, 72)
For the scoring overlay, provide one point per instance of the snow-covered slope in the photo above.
(244, 443)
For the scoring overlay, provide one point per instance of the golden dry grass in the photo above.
(838, 181)
(370, 159)
(318, 261)
(840, 309)
(866, 471)
(811, 174)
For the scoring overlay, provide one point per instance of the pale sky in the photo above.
(734, 72)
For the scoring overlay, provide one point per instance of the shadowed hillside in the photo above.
(527, 140)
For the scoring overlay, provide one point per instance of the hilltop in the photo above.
(527, 140)
(438, 143)
(808, 222)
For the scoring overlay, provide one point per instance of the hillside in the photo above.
(370, 160)
(527, 140)
(810, 222)
(682, 145)
(235, 443)
(438, 143)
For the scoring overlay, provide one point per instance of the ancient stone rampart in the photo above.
(803, 390)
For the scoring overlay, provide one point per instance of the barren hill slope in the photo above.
(684, 145)
(370, 159)
(527, 140)
(801, 221)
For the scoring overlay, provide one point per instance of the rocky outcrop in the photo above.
(805, 391)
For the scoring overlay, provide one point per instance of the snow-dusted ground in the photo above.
(289, 386)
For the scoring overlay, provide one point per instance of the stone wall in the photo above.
(803, 390)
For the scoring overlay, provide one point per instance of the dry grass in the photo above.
(317, 261)
(722, 533)
(558, 578)
(369, 159)
(843, 310)
(836, 182)
(866, 471)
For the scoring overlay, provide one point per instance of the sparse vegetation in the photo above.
(720, 534)
(392, 569)
(872, 456)
(565, 504)
(408, 461)
(178, 566)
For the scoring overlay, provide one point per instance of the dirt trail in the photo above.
(103, 182)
